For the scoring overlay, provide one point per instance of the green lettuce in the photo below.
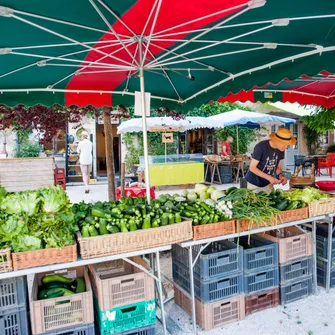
(54, 199)
(22, 202)
(308, 194)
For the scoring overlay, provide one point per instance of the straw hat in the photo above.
(283, 136)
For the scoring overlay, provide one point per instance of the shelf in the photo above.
(75, 176)
(75, 165)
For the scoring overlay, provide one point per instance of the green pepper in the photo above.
(93, 232)
(164, 219)
(171, 219)
(123, 227)
(178, 218)
(85, 232)
(103, 227)
(147, 222)
(205, 207)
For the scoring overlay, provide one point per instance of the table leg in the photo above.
(190, 263)
(314, 259)
(329, 253)
(160, 290)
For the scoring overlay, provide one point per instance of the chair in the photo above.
(308, 162)
(326, 163)
(299, 160)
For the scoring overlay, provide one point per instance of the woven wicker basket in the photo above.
(321, 207)
(5, 260)
(113, 244)
(213, 229)
(293, 215)
(303, 180)
(30, 259)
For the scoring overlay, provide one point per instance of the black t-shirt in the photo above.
(268, 161)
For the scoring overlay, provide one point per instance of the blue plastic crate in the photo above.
(296, 290)
(13, 293)
(88, 329)
(296, 269)
(322, 248)
(217, 260)
(226, 174)
(263, 280)
(258, 253)
(149, 330)
(211, 289)
(322, 274)
(14, 322)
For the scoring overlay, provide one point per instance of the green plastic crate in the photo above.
(125, 318)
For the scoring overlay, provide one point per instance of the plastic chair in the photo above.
(299, 160)
(308, 162)
(325, 163)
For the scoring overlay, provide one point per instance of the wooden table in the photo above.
(240, 168)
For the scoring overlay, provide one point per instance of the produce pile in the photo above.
(54, 286)
(308, 194)
(33, 220)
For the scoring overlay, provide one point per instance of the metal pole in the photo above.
(165, 153)
(144, 123)
(315, 282)
(329, 253)
(237, 146)
(161, 300)
(190, 266)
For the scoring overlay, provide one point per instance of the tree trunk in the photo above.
(109, 153)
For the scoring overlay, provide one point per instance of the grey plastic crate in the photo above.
(322, 274)
(263, 280)
(149, 330)
(88, 329)
(296, 269)
(322, 248)
(217, 260)
(258, 253)
(296, 290)
(13, 293)
(14, 322)
(211, 289)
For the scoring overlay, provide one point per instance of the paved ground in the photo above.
(312, 316)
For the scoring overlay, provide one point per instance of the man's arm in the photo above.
(79, 148)
(279, 172)
(254, 169)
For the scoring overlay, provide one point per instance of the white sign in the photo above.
(138, 103)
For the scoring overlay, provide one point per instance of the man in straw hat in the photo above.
(266, 161)
(85, 147)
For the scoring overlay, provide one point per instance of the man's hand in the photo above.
(283, 179)
(273, 180)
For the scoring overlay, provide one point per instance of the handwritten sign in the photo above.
(167, 138)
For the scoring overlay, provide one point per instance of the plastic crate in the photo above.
(292, 243)
(298, 268)
(261, 281)
(13, 293)
(296, 290)
(78, 330)
(226, 174)
(149, 330)
(215, 314)
(322, 274)
(115, 288)
(14, 322)
(212, 289)
(261, 300)
(74, 310)
(218, 259)
(322, 248)
(258, 253)
(122, 319)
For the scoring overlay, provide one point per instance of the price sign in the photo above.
(163, 129)
(167, 138)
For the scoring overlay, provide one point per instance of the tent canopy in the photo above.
(135, 125)
(244, 118)
(190, 51)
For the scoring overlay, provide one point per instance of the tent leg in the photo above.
(144, 126)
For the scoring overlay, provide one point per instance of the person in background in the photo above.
(226, 148)
(85, 147)
(266, 161)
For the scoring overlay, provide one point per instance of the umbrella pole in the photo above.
(237, 146)
(144, 126)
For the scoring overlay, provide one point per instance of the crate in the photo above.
(322, 274)
(122, 319)
(218, 259)
(258, 253)
(321, 207)
(112, 244)
(114, 289)
(261, 300)
(57, 313)
(293, 215)
(213, 229)
(41, 257)
(263, 280)
(296, 290)
(148, 330)
(14, 322)
(13, 293)
(296, 269)
(226, 174)
(292, 243)
(215, 314)
(88, 329)
(212, 289)
(5, 260)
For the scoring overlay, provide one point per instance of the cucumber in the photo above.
(54, 284)
(80, 285)
(281, 205)
(56, 278)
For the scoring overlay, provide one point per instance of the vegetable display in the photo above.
(32, 220)
(54, 286)
(308, 194)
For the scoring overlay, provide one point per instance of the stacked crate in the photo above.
(295, 263)
(218, 283)
(124, 297)
(322, 254)
(260, 268)
(13, 306)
